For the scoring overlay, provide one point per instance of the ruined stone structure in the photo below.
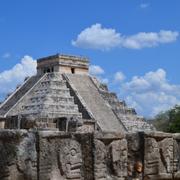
(63, 124)
(61, 94)
(58, 155)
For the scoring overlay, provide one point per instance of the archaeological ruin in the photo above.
(64, 124)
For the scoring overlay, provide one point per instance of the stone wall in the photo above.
(18, 155)
(63, 64)
(55, 155)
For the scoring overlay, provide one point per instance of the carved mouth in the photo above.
(75, 166)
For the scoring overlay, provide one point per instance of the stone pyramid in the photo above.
(63, 95)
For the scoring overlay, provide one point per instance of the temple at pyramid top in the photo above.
(63, 64)
(62, 95)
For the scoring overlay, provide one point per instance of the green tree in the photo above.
(168, 121)
(161, 121)
(174, 120)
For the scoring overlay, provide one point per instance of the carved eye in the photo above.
(170, 148)
(73, 152)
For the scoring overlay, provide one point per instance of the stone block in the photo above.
(110, 156)
(176, 163)
(158, 156)
(18, 155)
(65, 156)
(135, 143)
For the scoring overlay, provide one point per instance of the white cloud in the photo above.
(6, 55)
(151, 93)
(97, 37)
(119, 77)
(152, 39)
(96, 70)
(148, 94)
(144, 5)
(10, 78)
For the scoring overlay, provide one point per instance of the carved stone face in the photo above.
(75, 160)
(71, 159)
(152, 149)
(158, 157)
(27, 157)
(119, 157)
(166, 151)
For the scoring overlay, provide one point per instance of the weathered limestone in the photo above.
(60, 156)
(176, 159)
(18, 156)
(160, 156)
(63, 64)
(54, 155)
(49, 99)
(102, 113)
(110, 156)
(135, 143)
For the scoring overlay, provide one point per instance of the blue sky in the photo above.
(133, 45)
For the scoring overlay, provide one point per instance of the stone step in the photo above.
(64, 114)
(95, 103)
(49, 107)
(119, 111)
(118, 103)
(52, 84)
(130, 117)
(109, 96)
(124, 110)
(132, 124)
(57, 91)
(136, 128)
(54, 76)
(125, 117)
(52, 98)
(61, 100)
(55, 114)
(53, 81)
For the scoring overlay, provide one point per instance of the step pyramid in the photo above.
(63, 88)
(50, 98)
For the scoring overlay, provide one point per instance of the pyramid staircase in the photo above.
(126, 115)
(51, 99)
(100, 110)
(47, 100)
(17, 94)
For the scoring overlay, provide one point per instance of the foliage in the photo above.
(174, 120)
(168, 121)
